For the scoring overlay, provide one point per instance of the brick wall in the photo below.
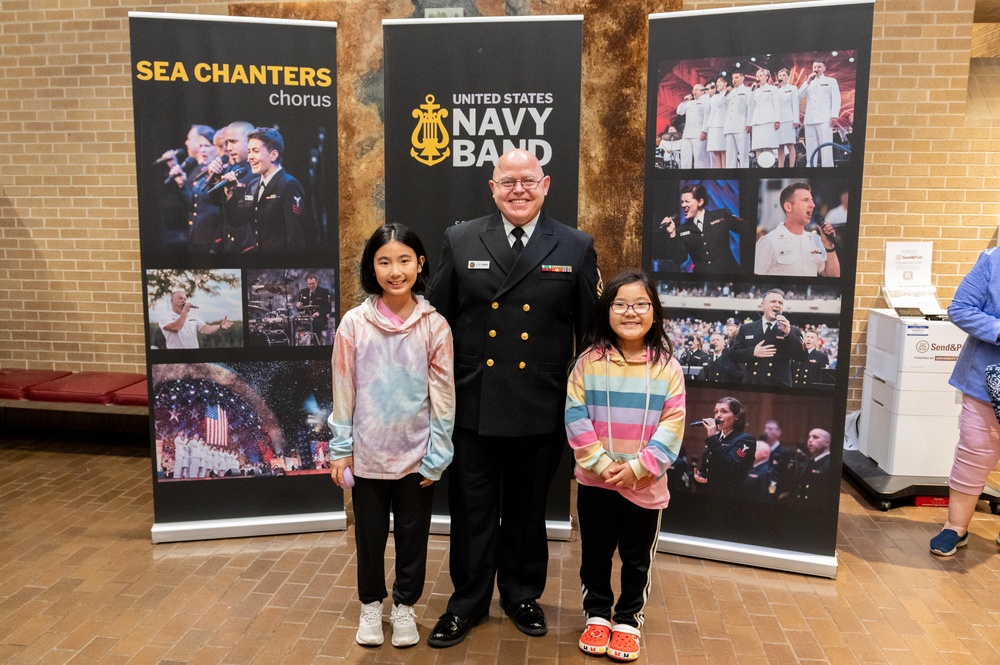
(69, 246)
(69, 261)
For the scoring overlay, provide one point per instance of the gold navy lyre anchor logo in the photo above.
(430, 135)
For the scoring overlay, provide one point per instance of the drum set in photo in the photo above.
(275, 319)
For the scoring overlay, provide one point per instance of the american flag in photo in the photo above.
(216, 426)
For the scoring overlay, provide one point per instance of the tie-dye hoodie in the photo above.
(393, 393)
(642, 404)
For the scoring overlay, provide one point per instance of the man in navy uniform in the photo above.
(808, 371)
(720, 367)
(517, 288)
(769, 345)
(816, 483)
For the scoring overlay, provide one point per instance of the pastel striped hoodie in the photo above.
(626, 411)
(393, 393)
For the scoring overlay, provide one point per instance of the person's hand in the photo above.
(670, 226)
(783, 323)
(704, 136)
(337, 470)
(216, 167)
(226, 324)
(623, 477)
(426, 482)
(170, 157)
(828, 235)
(777, 124)
(764, 350)
(711, 427)
(698, 478)
(177, 173)
(833, 123)
(610, 471)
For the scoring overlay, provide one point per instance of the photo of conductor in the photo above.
(290, 307)
(796, 107)
(194, 309)
(792, 238)
(699, 231)
(241, 420)
(758, 447)
(717, 330)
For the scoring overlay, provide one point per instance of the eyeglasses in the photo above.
(510, 183)
(639, 308)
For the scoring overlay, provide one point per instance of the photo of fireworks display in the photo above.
(241, 420)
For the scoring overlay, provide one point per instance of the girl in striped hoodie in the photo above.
(625, 422)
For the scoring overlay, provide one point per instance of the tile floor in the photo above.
(80, 583)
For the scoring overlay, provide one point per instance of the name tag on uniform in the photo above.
(685, 233)
(816, 252)
(271, 197)
(479, 265)
(551, 268)
(748, 337)
(248, 197)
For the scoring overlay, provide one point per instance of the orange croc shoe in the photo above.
(596, 636)
(624, 643)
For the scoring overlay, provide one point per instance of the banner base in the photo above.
(749, 555)
(270, 525)
(554, 529)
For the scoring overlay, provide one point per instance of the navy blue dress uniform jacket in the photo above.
(278, 220)
(709, 248)
(516, 325)
(773, 371)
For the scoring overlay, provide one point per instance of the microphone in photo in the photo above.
(239, 169)
(193, 307)
(174, 154)
(202, 173)
(188, 163)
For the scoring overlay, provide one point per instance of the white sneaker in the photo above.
(404, 627)
(370, 625)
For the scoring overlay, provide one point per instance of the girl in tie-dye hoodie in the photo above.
(625, 422)
(392, 421)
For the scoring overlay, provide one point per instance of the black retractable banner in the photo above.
(754, 157)
(236, 160)
(459, 94)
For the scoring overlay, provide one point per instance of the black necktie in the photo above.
(518, 245)
(767, 327)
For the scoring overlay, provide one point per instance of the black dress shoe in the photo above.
(527, 616)
(451, 629)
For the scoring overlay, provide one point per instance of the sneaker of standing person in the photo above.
(947, 542)
(370, 625)
(404, 627)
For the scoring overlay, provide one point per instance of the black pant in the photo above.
(411, 513)
(496, 493)
(609, 521)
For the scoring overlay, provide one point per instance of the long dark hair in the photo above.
(383, 236)
(602, 337)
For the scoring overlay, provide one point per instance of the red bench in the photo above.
(92, 392)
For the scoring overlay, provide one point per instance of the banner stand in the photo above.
(268, 525)
(749, 555)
